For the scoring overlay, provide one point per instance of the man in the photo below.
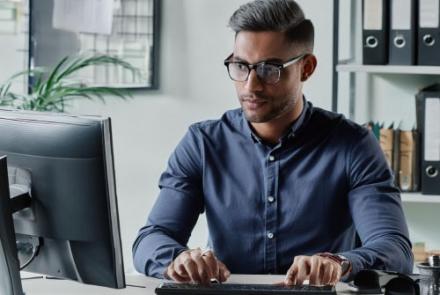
(286, 187)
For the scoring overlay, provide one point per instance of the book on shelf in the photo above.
(401, 150)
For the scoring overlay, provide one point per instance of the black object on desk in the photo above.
(250, 289)
(402, 285)
(371, 281)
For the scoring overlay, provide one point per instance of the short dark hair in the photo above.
(275, 15)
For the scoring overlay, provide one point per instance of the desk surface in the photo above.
(137, 284)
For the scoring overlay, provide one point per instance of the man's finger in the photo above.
(327, 269)
(303, 265)
(315, 270)
(202, 268)
(180, 270)
(212, 264)
(192, 269)
(180, 265)
(176, 277)
(291, 275)
(223, 271)
(336, 276)
(211, 261)
(172, 274)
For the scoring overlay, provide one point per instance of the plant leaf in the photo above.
(52, 90)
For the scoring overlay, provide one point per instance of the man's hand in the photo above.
(197, 266)
(318, 270)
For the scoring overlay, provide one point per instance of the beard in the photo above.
(266, 108)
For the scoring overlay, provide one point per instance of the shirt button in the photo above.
(270, 235)
(271, 158)
(270, 199)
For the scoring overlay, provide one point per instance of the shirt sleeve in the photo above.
(175, 211)
(376, 210)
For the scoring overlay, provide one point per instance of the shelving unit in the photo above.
(419, 198)
(378, 92)
(416, 70)
(352, 66)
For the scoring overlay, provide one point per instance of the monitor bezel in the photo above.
(112, 196)
(7, 243)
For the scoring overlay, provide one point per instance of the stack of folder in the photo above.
(428, 123)
(401, 32)
(414, 155)
(401, 150)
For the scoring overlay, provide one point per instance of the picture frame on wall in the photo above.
(126, 29)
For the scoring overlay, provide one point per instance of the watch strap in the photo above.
(341, 260)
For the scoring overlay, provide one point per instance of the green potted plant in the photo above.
(53, 89)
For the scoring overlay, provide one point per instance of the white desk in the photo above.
(146, 285)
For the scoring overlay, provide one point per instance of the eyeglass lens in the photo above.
(266, 72)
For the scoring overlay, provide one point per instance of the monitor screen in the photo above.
(71, 229)
(10, 282)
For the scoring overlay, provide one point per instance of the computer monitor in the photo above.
(71, 228)
(10, 282)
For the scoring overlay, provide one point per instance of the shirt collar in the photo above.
(293, 129)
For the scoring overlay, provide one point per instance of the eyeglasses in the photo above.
(267, 72)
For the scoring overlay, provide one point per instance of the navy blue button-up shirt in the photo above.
(324, 182)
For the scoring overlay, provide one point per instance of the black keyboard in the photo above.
(249, 289)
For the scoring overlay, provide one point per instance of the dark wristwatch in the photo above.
(341, 260)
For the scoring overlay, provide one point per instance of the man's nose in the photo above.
(253, 83)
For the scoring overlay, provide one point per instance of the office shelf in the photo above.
(419, 198)
(374, 92)
(351, 66)
(388, 69)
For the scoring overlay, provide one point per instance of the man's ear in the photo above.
(308, 66)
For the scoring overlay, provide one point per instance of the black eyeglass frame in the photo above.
(280, 66)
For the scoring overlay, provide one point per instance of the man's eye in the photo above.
(241, 67)
(267, 70)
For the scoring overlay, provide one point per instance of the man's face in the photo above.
(265, 102)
